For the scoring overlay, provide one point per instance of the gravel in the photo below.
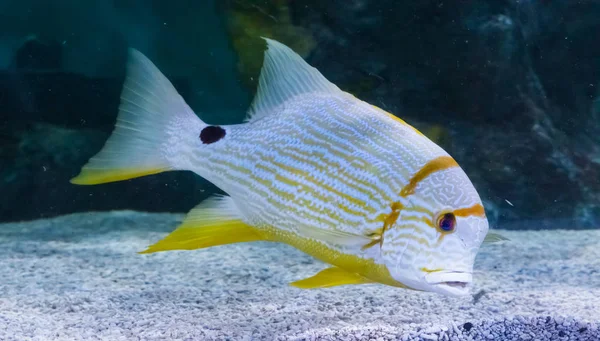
(78, 277)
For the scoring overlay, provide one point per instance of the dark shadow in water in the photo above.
(80, 226)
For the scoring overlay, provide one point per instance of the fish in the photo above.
(311, 166)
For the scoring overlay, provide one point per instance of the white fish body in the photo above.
(314, 167)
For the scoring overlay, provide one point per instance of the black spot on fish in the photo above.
(468, 326)
(211, 134)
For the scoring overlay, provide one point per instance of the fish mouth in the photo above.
(452, 283)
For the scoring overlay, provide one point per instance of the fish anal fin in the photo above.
(330, 277)
(213, 222)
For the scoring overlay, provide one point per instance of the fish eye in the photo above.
(446, 222)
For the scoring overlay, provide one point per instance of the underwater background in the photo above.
(510, 88)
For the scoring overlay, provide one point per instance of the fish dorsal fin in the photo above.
(216, 221)
(285, 74)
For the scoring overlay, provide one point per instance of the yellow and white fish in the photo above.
(313, 167)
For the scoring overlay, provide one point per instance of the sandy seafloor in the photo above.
(78, 277)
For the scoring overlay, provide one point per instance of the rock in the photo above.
(486, 71)
(39, 55)
(53, 123)
(249, 20)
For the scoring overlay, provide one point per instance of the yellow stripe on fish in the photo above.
(437, 164)
(313, 167)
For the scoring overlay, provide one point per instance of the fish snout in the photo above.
(453, 283)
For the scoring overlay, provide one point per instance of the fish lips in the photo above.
(452, 283)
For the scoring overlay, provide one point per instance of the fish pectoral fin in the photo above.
(215, 221)
(330, 277)
(335, 236)
(492, 237)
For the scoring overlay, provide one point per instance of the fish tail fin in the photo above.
(216, 221)
(153, 127)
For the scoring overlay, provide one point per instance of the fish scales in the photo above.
(313, 167)
(268, 144)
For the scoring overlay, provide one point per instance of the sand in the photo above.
(78, 277)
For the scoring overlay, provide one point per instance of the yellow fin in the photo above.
(330, 277)
(99, 176)
(215, 221)
(152, 126)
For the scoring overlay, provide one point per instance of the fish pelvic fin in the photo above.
(153, 124)
(493, 237)
(331, 277)
(216, 221)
